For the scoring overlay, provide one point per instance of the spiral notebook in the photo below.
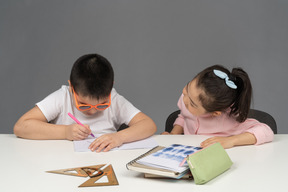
(163, 161)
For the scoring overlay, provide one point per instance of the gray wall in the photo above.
(155, 47)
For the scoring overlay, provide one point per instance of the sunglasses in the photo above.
(86, 107)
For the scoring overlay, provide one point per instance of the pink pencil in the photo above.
(78, 122)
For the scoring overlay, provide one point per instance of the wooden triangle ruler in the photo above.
(77, 171)
(95, 172)
(107, 172)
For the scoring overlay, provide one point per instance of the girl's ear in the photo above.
(216, 113)
(70, 88)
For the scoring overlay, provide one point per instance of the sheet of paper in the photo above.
(82, 145)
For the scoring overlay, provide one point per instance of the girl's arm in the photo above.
(252, 132)
(231, 141)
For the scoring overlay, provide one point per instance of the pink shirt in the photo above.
(222, 125)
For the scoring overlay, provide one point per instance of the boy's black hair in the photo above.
(92, 76)
(219, 97)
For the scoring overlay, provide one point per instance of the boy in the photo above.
(91, 98)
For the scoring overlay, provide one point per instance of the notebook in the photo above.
(163, 161)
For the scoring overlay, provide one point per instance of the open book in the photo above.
(163, 161)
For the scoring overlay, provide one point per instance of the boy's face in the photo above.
(90, 106)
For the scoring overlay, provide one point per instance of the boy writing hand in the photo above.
(77, 132)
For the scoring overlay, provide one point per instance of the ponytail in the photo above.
(241, 106)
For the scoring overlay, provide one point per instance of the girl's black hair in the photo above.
(92, 75)
(219, 97)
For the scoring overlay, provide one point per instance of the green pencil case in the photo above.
(208, 163)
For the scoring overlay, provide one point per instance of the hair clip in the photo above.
(224, 76)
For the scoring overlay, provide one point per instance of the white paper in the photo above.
(82, 145)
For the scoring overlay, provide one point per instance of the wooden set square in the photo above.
(95, 173)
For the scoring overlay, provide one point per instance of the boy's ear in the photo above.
(216, 113)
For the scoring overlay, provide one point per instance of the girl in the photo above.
(216, 102)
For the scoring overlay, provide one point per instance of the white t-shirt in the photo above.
(56, 106)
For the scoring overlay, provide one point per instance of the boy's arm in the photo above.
(141, 126)
(34, 125)
(177, 130)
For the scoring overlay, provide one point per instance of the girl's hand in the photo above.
(231, 141)
(106, 142)
(226, 142)
(77, 132)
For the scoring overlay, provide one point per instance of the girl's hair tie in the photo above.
(224, 76)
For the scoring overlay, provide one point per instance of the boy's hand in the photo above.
(226, 142)
(77, 132)
(165, 133)
(106, 142)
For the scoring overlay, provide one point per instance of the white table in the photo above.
(24, 164)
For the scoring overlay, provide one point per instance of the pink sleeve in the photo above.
(261, 131)
(180, 118)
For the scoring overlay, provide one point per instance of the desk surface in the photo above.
(24, 164)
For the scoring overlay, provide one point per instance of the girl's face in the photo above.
(191, 99)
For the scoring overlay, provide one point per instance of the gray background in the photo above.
(155, 47)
